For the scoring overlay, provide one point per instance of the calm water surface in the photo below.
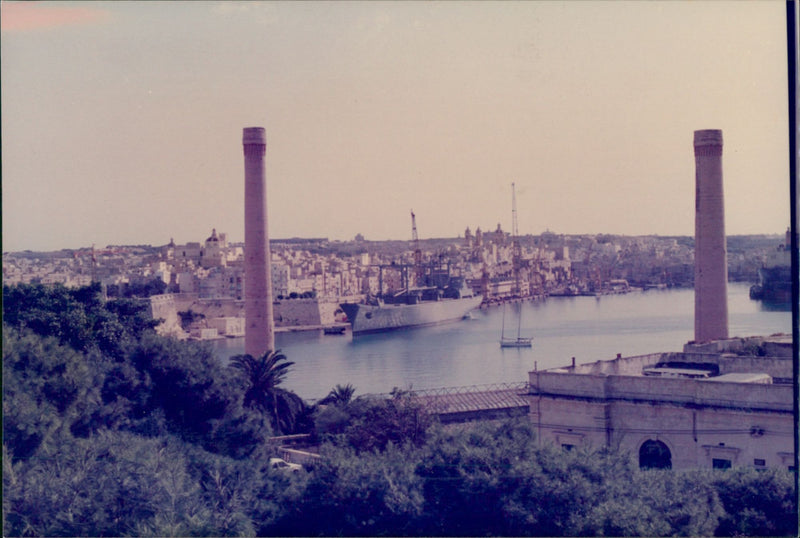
(469, 353)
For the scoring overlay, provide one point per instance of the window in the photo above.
(719, 463)
(567, 447)
(759, 462)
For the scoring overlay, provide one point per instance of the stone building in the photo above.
(722, 404)
(214, 254)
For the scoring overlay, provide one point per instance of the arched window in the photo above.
(654, 455)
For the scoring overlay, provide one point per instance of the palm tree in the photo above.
(264, 375)
(340, 395)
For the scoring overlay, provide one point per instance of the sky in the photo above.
(122, 121)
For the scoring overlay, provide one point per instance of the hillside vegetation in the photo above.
(111, 430)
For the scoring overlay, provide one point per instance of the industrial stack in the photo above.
(259, 335)
(710, 264)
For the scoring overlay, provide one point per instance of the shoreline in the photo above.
(287, 329)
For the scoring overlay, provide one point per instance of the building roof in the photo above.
(470, 399)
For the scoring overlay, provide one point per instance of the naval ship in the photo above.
(414, 307)
(775, 275)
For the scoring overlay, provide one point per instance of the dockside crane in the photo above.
(418, 271)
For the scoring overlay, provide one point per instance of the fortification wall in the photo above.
(163, 307)
(293, 312)
(287, 312)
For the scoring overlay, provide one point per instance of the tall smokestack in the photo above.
(710, 253)
(259, 335)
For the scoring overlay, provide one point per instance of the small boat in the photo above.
(519, 341)
(336, 329)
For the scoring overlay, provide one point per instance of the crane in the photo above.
(417, 251)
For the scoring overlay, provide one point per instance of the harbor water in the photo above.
(468, 352)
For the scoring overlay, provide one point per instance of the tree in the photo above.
(43, 382)
(197, 395)
(340, 396)
(757, 502)
(349, 494)
(651, 503)
(113, 484)
(263, 377)
(370, 423)
(77, 317)
(188, 317)
(332, 414)
(154, 286)
(472, 480)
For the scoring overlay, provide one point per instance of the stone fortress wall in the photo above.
(227, 315)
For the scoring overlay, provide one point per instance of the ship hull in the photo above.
(390, 317)
(516, 342)
(775, 285)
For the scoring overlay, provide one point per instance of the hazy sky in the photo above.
(122, 121)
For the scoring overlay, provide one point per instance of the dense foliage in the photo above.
(111, 430)
(154, 286)
(77, 317)
(370, 423)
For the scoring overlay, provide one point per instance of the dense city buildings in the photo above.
(204, 280)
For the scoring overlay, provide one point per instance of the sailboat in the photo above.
(519, 341)
(509, 341)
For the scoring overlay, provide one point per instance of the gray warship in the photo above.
(412, 307)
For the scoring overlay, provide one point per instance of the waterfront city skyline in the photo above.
(122, 121)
